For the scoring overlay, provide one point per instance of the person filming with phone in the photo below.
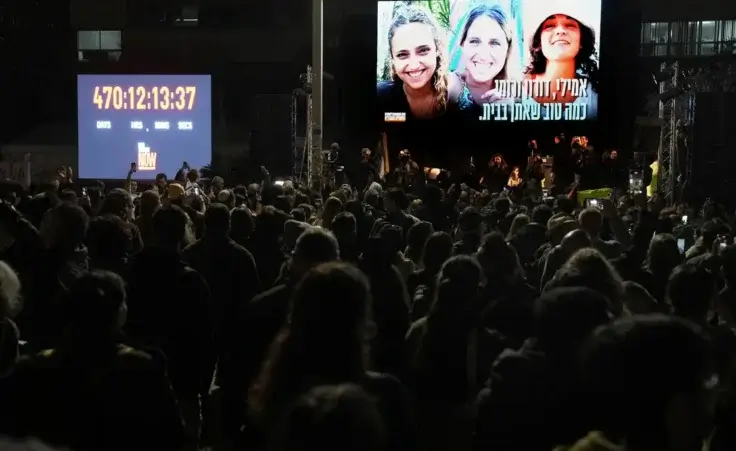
(129, 185)
(704, 244)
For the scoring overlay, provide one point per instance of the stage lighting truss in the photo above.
(306, 162)
(676, 111)
(297, 152)
(669, 106)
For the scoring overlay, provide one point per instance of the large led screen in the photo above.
(488, 61)
(155, 121)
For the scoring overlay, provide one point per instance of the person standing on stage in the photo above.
(588, 165)
(515, 180)
(367, 169)
(614, 171)
(406, 171)
(563, 163)
(534, 177)
(496, 175)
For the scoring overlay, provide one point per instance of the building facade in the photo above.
(255, 51)
(695, 44)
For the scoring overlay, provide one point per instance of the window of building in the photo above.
(655, 33)
(692, 34)
(654, 38)
(729, 30)
(189, 16)
(679, 45)
(99, 40)
(94, 45)
(678, 39)
(660, 50)
(678, 32)
(708, 31)
(707, 48)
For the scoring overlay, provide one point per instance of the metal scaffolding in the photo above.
(307, 159)
(296, 154)
(670, 112)
(677, 109)
(686, 144)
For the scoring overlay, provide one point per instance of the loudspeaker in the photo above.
(714, 164)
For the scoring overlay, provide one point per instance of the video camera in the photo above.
(332, 155)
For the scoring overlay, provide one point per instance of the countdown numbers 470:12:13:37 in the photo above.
(515, 112)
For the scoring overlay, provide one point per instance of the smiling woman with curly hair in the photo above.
(561, 41)
(418, 62)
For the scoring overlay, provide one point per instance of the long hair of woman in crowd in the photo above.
(586, 61)
(416, 241)
(500, 262)
(589, 268)
(315, 346)
(517, 224)
(663, 255)
(453, 312)
(332, 207)
(10, 289)
(418, 15)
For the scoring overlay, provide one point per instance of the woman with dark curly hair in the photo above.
(562, 46)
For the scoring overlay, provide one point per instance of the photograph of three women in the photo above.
(447, 57)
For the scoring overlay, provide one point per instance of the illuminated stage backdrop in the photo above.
(495, 61)
(156, 121)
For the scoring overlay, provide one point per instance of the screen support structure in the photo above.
(297, 154)
(316, 74)
(685, 133)
(668, 152)
(307, 165)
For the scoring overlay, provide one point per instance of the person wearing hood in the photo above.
(561, 41)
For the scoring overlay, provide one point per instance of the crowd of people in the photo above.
(274, 316)
(557, 167)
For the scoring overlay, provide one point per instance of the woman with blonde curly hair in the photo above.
(418, 62)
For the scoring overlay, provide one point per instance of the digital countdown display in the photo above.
(155, 121)
(488, 61)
